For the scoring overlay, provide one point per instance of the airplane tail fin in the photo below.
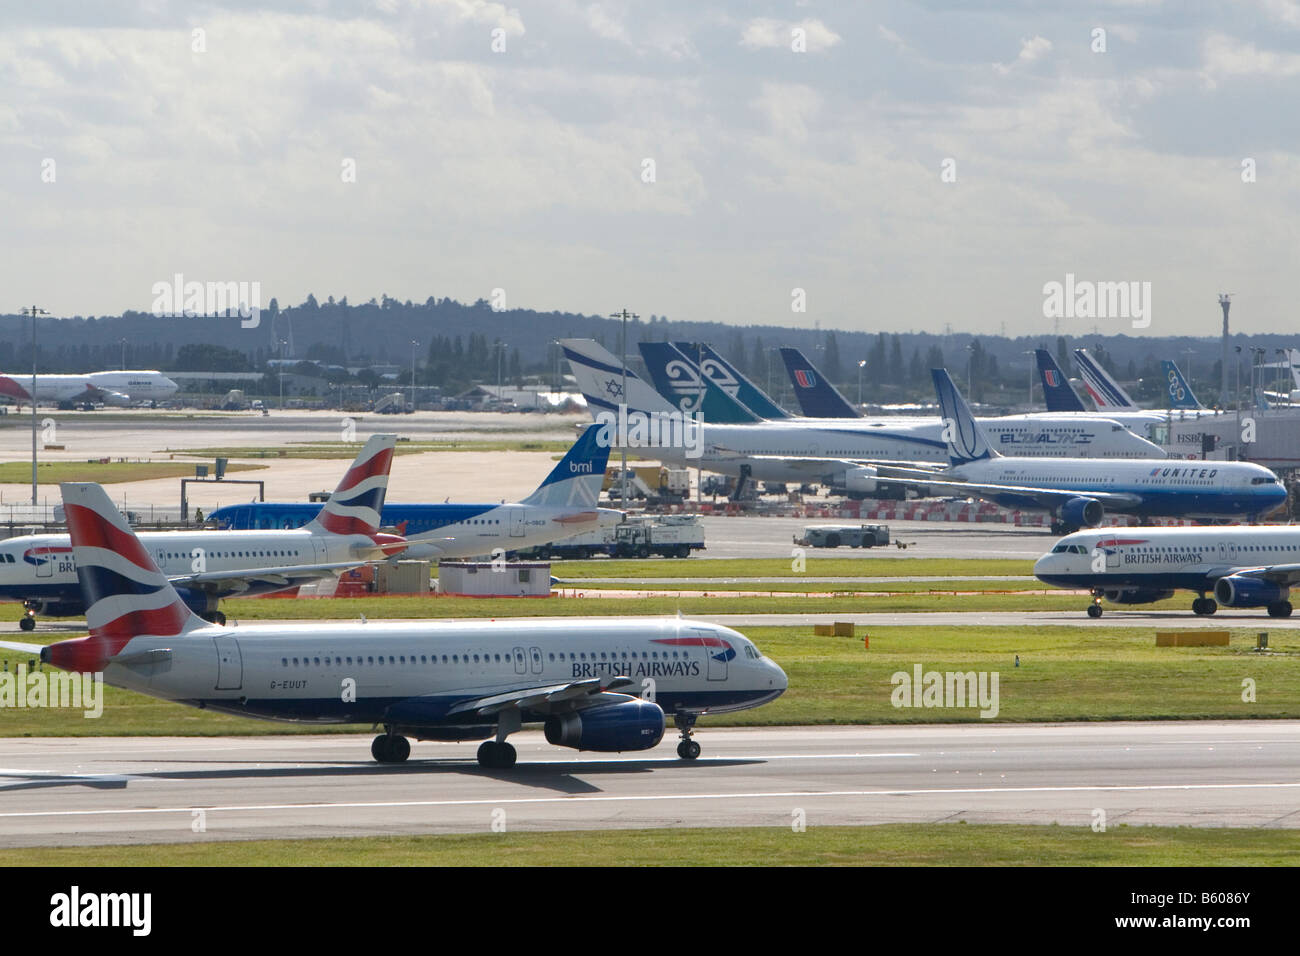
(600, 379)
(358, 501)
(125, 594)
(816, 396)
(1180, 392)
(732, 381)
(680, 380)
(1105, 392)
(575, 481)
(965, 439)
(1060, 397)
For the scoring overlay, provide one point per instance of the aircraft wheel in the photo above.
(688, 750)
(219, 618)
(1210, 606)
(506, 756)
(399, 748)
(379, 748)
(496, 756)
(1280, 609)
(1094, 610)
(27, 623)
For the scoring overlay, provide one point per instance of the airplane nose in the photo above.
(779, 680)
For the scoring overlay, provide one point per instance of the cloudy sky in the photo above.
(909, 165)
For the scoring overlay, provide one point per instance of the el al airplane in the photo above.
(1242, 567)
(40, 570)
(111, 388)
(432, 680)
(563, 505)
(1078, 491)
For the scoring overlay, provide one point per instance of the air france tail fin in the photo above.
(575, 482)
(817, 397)
(965, 439)
(600, 379)
(679, 379)
(1060, 397)
(358, 501)
(732, 381)
(1105, 392)
(1180, 392)
(125, 594)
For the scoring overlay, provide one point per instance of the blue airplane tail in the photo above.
(817, 397)
(732, 381)
(1180, 392)
(1060, 397)
(684, 385)
(575, 481)
(965, 439)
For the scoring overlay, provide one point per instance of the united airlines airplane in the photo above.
(1241, 567)
(206, 566)
(110, 388)
(563, 505)
(595, 684)
(1078, 491)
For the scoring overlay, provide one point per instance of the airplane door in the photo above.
(521, 665)
(230, 664)
(44, 565)
(535, 659)
(1112, 559)
(717, 654)
(1228, 552)
(516, 518)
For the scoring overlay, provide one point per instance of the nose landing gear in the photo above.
(688, 749)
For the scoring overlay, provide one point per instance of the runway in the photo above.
(65, 791)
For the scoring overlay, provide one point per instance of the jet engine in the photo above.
(1082, 513)
(1238, 590)
(631, 725)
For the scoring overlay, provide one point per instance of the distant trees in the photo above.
(210, 358)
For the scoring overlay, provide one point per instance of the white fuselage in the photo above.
(116, 387)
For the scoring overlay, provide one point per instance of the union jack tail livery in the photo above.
(126, 595)
(357, 502)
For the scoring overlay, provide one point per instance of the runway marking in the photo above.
(782, 794)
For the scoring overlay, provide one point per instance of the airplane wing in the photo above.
(556, 698)
(1286, 575)
(816, 467)
(1048, 498)
(245, 579)
(33, 649)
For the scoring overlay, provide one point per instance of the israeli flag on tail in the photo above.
(965, 439)
(358, 501)
(600, 378)
(125, 593)
(1180, 392)
(1057, 392)
(575, 482)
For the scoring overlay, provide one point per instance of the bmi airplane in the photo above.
(1241, 567)
(110, 388)
(578, 677)
(205, 566)
(563, 505)
(1077, 491)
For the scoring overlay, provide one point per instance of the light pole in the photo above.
(501, 349)
(1032, 366)
(624, 315)
(1256, 358)
(282, 345)
(861, 364)
(34, 312)
(123, 341)
(970, 365)
(414, 346)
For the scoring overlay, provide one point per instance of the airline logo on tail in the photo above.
(357, 502)
(575, 481)
(965, 439)
(1052, 378)
(125, 593)
(804, 378)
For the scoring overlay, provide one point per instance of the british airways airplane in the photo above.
(1241, 567)
(563, 505)
(1077, 491)
(602, 685)
(206, 566)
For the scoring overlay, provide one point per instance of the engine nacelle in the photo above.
(861, 481)
(60, 608)
(1238, 590)
(200, 602)
(1136, 595)
(1082, 512)
(631, 725)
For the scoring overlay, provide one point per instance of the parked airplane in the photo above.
(1077, 491)
(837, 453)
(1178, 388)
(1064, 404)
(1242, 567)
(431, 680)
(110, 388)
(563, 505)
(206, 566)
(730, 379)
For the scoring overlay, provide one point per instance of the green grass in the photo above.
(900, 844)
(752, 585)
(49, 472)
(347, 450)
(824, 567)
(1066, 673)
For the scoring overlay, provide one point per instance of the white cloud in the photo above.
(1030, 50)
(765, 33)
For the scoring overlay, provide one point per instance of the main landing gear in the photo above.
(1205, 606)
(496, 755)
(214, 617)
(688, 749)
(1280, 609)
(28, 621)
(390, 748)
